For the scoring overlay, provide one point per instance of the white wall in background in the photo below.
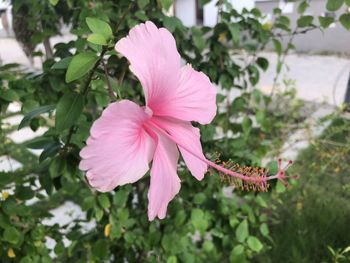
(186, 11)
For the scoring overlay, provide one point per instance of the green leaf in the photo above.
(238, 250)
(235, 32)
(50, 150)
(68, 110)
(278, 46)
(103, 200)
(199, 198)
(100, 27)
(242, 231)
(334, 5)
(305, 21)
(97, 39)
(254, 244)
(9, 95)
(28, 117)
(247, 125)
(54, 2)
(208, 246)
(12, 235)
(38, 143)
(142, 3)
(57, 167)
(325, 22)
(345, 20)
(264, 229)
(198, 40)
(347, 2)
(199, 220)
(100, 249)
(171, 259)
(302, 7)
(166, 4)
(80, 65)
(24, 193)
(280, 188)
(263, 63)
(62, 64)
(171, 23)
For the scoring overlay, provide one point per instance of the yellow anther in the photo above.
(11, 253)
(5, 195)
(107, 230)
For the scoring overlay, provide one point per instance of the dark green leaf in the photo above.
(305, 21)
(235, 32)
(302, 7)
(12, 235)
(345, 20)
(9, 95)
(57, 167)
(28, 117)
(49, 151)
(68, 110)
(171, 23)
(62, 64)
(166, 4)
(325, 22)
(246, 125)
(263, 63)
(278, 46)
(334, 5)
(198, 39)
(24, 193)
(38, 143)
(142, 3)
(80, 65)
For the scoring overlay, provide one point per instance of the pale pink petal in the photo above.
(195, 98)
(119, 149)
(165, 183)
(185, 134)
(154, 60)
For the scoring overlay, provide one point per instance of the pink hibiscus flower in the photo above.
(127, 137)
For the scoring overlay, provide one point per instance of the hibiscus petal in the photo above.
(165, 183)
(185, 134)
(195, 98)
(119, 149)
(154, 60)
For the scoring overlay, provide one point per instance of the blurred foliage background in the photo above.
(208, 221)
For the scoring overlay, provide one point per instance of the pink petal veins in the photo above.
(165, 183)
(185, 134)
(195, 98)
(154, 60)
(119, 149)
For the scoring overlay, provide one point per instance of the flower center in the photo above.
(148, 111)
